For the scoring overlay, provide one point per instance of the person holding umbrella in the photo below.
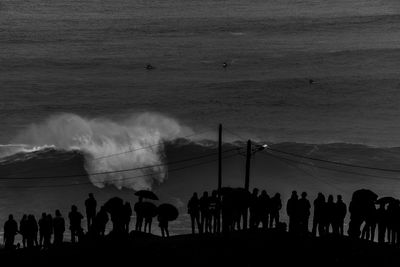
(142, 209)
(166, 213)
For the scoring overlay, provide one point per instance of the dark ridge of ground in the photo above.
(251, 248)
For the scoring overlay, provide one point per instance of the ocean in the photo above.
(75, 96)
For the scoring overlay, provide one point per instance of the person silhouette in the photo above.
(10, 231)
(194, 212)
(42, 228)
(127, 215)
(204, 213)
(23, 230)
(75, 220)
(319, 205)
(303, 210)
(254, 208)
(264, 204)
(90, 204)
(101, 221)
(339, 215)
(291, 210)
(139, 214)
(368, 231)
(31, 231)
(35, 230)
(214, 210)
(381, 217)
(163, 224)
(58, 228)
(329, 214)
(48, 231)
(275, 207)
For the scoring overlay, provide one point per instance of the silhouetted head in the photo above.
(255, 191)
(294, 194)
(339, 198)
(74, 208)
(277, 195)
(195, 195)
(10, 217)
(205, 194)
(304, 195)
(91, 195)
(58, 213)
(263, 193)
(24, 217)
(330, 198)
(44, 215)
(214, 193)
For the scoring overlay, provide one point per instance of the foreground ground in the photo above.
(259, 248)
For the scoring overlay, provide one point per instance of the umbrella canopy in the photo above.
(364, 195)
(147, 209)
(168, 212)
(146, 194)
(385, 200)
(114, 203)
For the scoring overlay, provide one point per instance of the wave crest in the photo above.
(98, 138)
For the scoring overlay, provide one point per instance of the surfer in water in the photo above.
(224, 65)
(149, 67)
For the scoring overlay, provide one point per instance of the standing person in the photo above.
(329, 214)
(127, 216)
(139, 214)
(42, 228)
(75, 220)
(31, 231)
(264, 203)
(10, 231)
(303, 212)
(23, 230)
(276, 206)
(319, 205)
(204, 213)
(214, 210)
(340, 214)
(101, 221)
(381, 217)
(254, 210)
(90, 205)
(291, 210)
(194, 212)
(163, 224)
(59, 228)
(47, 231)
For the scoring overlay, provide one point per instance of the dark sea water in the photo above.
(73, 89)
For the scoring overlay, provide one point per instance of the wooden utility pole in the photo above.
(219, 158)
(247, 180)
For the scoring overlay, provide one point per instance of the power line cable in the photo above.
(340, 171)
(117, 171)
(335, 162)
(126, 178)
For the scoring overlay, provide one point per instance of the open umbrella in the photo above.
(168, 211)
(364, 195)
(146, 194)
(385, 200)
(147, 209)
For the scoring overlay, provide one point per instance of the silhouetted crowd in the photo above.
(49, 230)
(235, 209)
(223, 211)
